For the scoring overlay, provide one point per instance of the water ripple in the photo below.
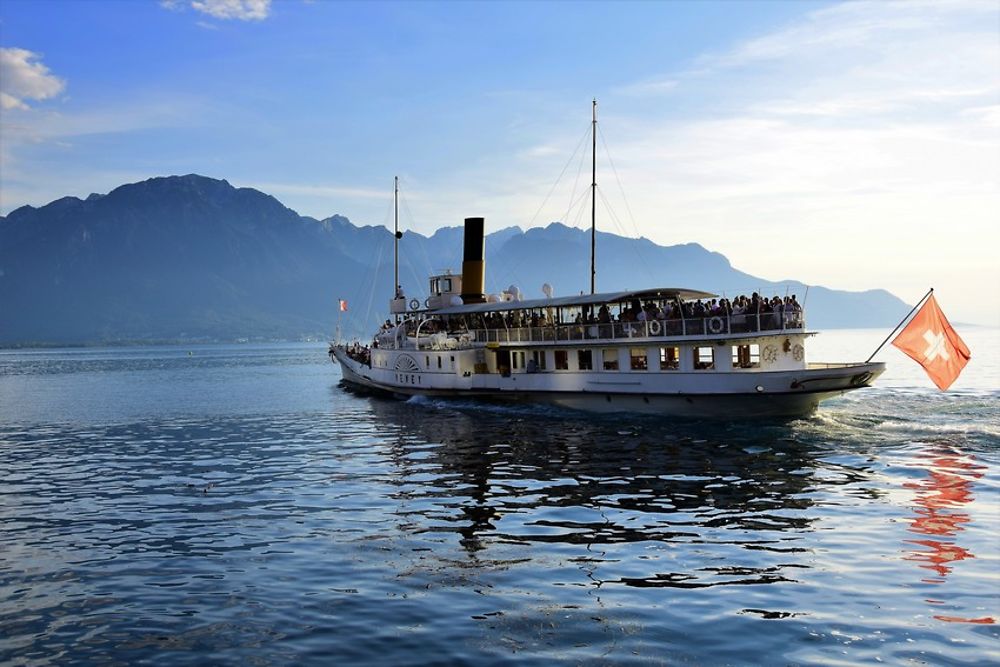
(345, 528)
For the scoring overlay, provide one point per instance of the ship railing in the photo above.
(710, 325)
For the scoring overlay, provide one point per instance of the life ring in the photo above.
(427, 303)
(716, 325)
(654, 328)
(414, 304)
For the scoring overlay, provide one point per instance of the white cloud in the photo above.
(242, 10)
(23, 77)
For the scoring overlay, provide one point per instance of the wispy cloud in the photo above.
(848, 26)
(333, 192)
(854, 132)
(24, 77)
(542, 150)
(138, 114)
(240, 10)
(25, 132)
(648, 88)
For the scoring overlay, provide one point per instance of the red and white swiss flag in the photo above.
(930, 340)
(343, 305)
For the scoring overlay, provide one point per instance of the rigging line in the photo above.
(429, 269)
(583, 198)
(573, 200)
(511, 271)
(559, 177)
(376, 253)
(372, 276)
(371, 291)
(621, 188)
(409, 214)
(636, 246)
(580, 210)
(579, 172)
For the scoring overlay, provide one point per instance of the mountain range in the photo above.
(194, 258)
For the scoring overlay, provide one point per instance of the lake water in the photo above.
(234, 505)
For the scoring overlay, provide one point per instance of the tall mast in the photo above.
(395, 238)
(593, 196)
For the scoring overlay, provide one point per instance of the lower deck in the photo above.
(654, 380)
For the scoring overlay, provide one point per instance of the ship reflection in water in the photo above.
(939, 500)
(640, 503)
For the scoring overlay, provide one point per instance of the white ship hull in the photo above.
(717, 394)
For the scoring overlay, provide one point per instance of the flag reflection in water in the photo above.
(939, 516)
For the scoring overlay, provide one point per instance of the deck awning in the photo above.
(657, 294)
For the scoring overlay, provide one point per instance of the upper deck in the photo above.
(662, 315)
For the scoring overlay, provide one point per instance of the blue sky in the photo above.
(849, 145)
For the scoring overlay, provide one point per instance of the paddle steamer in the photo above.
(666, 350)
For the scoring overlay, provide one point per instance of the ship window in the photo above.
(746, 356)
(585, 360)
(439, 363)
(446, 285)
(539, 357)
(561, 360)
(637, 357)
(610, 359)
(669, 358)
(427, 361)
(704, 357)
(517, 359)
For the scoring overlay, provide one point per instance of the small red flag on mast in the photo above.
(343, 306)
(930, 340)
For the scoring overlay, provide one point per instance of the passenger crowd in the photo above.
(740, 314)
(740, 306)
(360, 353)
(742, 311)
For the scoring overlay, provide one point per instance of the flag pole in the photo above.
(919, 303)
(340, 314)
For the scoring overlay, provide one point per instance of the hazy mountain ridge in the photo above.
(193, 257)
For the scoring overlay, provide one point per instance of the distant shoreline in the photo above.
(154, 342)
